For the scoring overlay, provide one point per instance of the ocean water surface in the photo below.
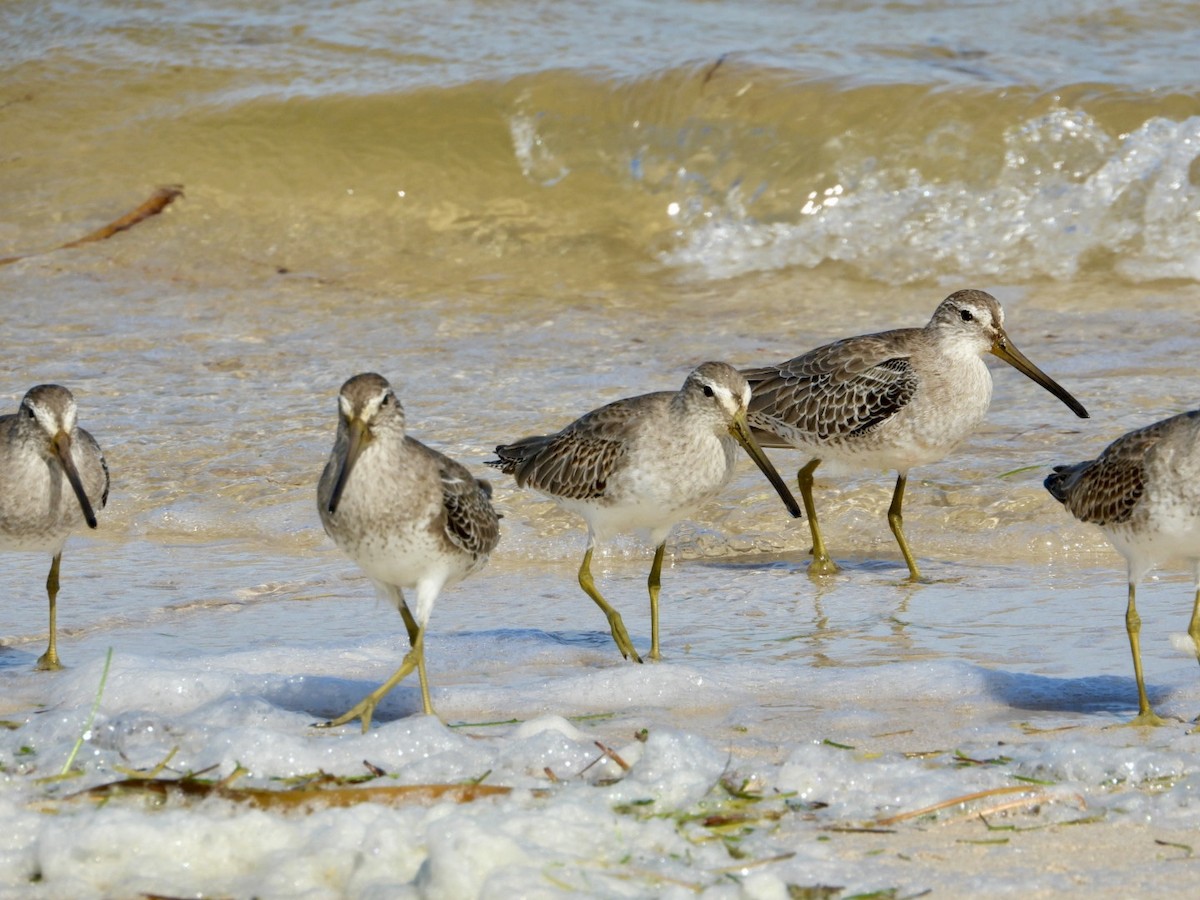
(517, 212)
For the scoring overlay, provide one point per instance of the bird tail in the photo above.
(506, 462)
(1059, 482)
(511, 457)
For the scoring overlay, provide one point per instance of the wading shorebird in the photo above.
(1144, 493)
(643, 463)
(408, 515)
(893, 400)
(52, 479)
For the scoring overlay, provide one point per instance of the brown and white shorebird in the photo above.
(643, 464)
(53, 478)
(893, 400)
(1144, 493)
(408, 515)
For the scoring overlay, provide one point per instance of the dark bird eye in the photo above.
(965, 314)
(387, 400)
(708, 391)
(28, 410)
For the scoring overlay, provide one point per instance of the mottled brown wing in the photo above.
(1105, 490)
(577, 462)
(471, 522)
(840, 390)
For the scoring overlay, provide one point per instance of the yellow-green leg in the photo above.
(654, 584)
(1194, 631)
(896, 522)
(615, 625)
(414, 633)
(365, 708)
(821, 563)
(1146, 716)
(48, 661)
(1194, 625)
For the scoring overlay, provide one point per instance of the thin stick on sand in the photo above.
(955, 801)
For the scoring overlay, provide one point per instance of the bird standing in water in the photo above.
(408, 515)
(643, 463)
(53, 478)
(1144, 492)
(893, 400)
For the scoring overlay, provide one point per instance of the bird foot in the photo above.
(48, 662)
(621, 637)
(822, 565)
(1147, 718)
(362, 710)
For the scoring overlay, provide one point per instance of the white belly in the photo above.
(669, 484)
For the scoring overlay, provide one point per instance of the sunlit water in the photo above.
(516, 214)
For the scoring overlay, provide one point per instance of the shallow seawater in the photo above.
(517, 213)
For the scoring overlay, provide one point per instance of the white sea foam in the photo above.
(611, 795)
(1068, 191)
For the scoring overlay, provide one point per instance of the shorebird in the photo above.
(1144, 492)
(408, 515)
(643, 463)
(893, 400)
(42, 452)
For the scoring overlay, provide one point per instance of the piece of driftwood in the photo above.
(162, 789)
(157, 202)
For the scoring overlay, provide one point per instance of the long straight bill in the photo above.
(741, 433)
(62, 449)
(357, 431)
(1005, 349)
